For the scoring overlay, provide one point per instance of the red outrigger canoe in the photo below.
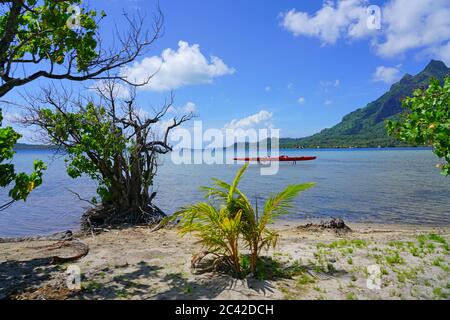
(281, 159)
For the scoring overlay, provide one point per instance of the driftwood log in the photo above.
(82, 247)
(65, 242)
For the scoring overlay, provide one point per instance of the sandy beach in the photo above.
(135, 263)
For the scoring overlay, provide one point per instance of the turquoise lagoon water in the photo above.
(365, 185)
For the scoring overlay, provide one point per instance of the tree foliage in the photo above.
(109, 140)
(37, 41)
(426, 120)
(230, 217)
(22, 183)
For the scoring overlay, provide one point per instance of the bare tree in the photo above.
(55, 52)
(111, 140)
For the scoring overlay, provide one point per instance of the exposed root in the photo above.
(106, 217)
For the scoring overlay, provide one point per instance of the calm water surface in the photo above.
(387, 186)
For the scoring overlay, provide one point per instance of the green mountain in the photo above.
(365, 127)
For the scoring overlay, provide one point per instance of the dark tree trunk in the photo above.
(123, 161)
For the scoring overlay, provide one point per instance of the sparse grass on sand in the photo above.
(413, 263)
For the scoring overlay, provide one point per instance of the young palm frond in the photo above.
(216, 230)
(281, 203)
(225, 193)
(236, 180)
(220, 227)
(257, 235)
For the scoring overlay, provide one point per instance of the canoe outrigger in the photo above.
(279, 159)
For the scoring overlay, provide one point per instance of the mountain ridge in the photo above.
(364, 127)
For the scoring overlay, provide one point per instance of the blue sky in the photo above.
(299, 66)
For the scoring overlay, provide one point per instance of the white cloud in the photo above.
(405, 25)
(301, 100)
(262, 119)
(335, 83)
(160, 128)
(13, 119)
(175, 69)
(411, 24)
(331, 22)
(245, 129)
(267, 89)
(172, 109)
(10, 117)
(386, 74)
(119, 90)
(442, 53)
(328, 102)
(142, 114)
(327, 84)
(189, 107)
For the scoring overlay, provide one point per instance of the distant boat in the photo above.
(280, 159)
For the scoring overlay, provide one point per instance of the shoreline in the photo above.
(135, 263)
(25, 147)
(281, 223)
